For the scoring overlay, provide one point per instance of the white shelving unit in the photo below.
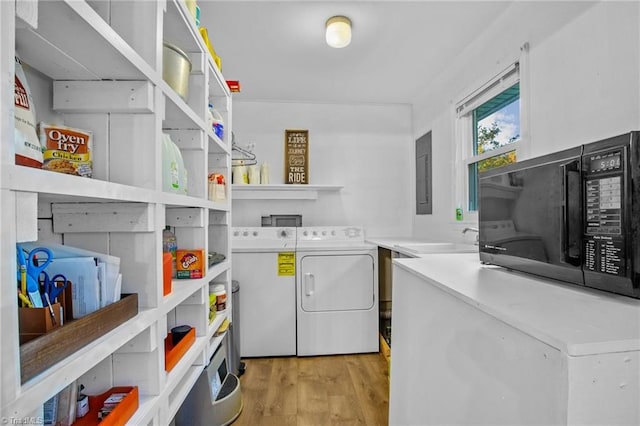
(102, 63)
(281, 191)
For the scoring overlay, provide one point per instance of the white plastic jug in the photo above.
(174, 172)
(170, 167)
(239, 175)
(182, 170)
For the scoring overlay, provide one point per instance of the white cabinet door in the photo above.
(267, 306)
(336, 282)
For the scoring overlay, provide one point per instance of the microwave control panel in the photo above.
(604, 202)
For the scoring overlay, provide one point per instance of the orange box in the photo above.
(120, 414)
(234, 85)
(166, 273)
(190, 263)
(173, 354)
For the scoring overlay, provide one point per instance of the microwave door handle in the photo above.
(572, 213)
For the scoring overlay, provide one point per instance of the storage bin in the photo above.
(176, 67)
(120, 414)
(166, 273)
(173, 354)
(41, 353)
(34, 322)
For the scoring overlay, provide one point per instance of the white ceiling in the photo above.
(276, 49)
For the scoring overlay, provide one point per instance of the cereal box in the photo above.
(190, 263)
(66, 150)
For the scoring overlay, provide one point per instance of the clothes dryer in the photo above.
(337, 291)
(263, 262)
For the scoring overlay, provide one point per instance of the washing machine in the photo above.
(337, 291)
(263, 263)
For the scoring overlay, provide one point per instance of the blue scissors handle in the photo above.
(34, 270)
(50, 286)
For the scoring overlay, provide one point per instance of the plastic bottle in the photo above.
(221, 296)
(174, 176)
(170, 167)
(239, 175)
(185, 181)
(210, 117)
(182, 170)
(170, 245)
(264, 173)
(218, 122)
(459, 213)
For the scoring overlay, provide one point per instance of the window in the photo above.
(496, 126)
(489, 133)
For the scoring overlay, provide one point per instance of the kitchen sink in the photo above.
(429, 248)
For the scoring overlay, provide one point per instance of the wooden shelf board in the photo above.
(40, 388)
(60, 187)
(77, 32)
(281, 191)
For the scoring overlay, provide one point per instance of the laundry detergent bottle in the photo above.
(217, 122)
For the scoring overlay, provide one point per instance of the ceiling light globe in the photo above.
(338, 33)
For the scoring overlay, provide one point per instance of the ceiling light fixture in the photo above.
(338, 31)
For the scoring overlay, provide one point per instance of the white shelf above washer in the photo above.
(281, 191)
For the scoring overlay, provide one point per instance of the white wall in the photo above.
(366, 148)
(583, 81)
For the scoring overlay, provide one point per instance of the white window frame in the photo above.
(516, 72)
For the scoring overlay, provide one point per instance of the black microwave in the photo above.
(282, 220)
(572, 215)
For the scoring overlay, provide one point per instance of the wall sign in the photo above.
(296, 156)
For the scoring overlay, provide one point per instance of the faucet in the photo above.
(465, 230)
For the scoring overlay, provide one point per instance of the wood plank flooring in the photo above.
(323, 390)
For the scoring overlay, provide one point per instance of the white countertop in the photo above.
(404, 245)
(393, 243)
(575, 320)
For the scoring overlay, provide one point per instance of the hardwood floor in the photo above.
(324, 390)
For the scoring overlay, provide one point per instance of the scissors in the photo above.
(50, 288)
(30, 278)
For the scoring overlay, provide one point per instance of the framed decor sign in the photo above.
(296, 156)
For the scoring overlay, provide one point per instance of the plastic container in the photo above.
(221, 296)
(170, 168)
(167, 261)
(217, 122)
(209, 117)
(170, 245)
(205, 37)
(254, 174)
(264, 173)
(217, 187)
(174, 172)
(183, 178)
(239, 175)
(176, 68)
(191, 7)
